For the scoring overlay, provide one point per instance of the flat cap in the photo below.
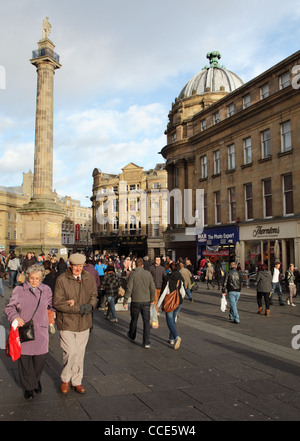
(77, 259)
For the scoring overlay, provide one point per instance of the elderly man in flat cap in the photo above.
(75, 298)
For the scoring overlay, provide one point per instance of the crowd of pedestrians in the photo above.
(64, 293)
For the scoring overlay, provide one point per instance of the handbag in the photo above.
(21, 278)
(121, 291)
(172, 300)
(26, 332)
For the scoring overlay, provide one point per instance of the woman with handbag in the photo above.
(172, 293)
(28, 305)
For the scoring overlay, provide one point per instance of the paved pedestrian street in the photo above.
(222, 371)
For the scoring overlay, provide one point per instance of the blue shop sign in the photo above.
(219, 236)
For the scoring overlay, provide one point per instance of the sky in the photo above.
(123, 64)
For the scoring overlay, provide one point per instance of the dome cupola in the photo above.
(213, 78)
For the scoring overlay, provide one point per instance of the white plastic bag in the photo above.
(153, 317)
(223, 303)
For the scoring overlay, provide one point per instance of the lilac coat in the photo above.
(22, 304)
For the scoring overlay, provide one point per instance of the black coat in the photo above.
(233, 281)
(264, 281)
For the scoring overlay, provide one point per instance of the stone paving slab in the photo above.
(222, 372)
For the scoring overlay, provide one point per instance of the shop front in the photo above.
(221, 243)
(266, 242)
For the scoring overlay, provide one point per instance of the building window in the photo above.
(217, 195)
(265, 144)
(216, 117)
(203, 167)
(284, 80)
(247, 151)
(288, 205)
(267, 198)
(230, 109)
(105, 226)
(173, 137)
(116, 224)
(115, 205)
(231, 157)
(286, 136)
(156, 229)
(232, 205)
(246, 101)
(8, 232)
(133, 205)
(132, 224)
(248, 202)
(203, 125)
(217, 162)
(264, 91)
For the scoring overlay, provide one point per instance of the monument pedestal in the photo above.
(41, 226)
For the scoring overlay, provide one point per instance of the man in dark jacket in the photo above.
(141, 289)
(232, 285)
(75, 298)
(158, 273)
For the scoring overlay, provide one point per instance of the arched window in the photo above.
(132, 224)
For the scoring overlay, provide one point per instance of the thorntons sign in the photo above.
(259, 231)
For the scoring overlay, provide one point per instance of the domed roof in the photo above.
(214, 78)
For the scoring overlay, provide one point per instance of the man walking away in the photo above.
(232, 285)
(141, 289)
(158, 273)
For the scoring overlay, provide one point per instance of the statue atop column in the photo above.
(46, 27)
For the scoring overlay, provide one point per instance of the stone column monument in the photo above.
(42, 216)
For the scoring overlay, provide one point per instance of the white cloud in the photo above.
(123, 63)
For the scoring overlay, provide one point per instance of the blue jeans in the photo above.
(171, 322)
(111, 307)
(12, 278)
(188, 291)
(135, 309)
(233, 297)
(277, 287)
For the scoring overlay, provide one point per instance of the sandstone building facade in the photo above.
(127, 218)
(240, 144)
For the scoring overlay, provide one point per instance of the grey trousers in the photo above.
(73, 345)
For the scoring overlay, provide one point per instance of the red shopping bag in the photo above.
(13, 345)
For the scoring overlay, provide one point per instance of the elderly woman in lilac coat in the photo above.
(21, 306)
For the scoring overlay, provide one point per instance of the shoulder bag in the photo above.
(26, 332)
(172, 300)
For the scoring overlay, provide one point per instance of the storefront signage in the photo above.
(260, 231)
(221, 253)
(219, 236)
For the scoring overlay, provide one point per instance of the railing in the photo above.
(45, 53)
